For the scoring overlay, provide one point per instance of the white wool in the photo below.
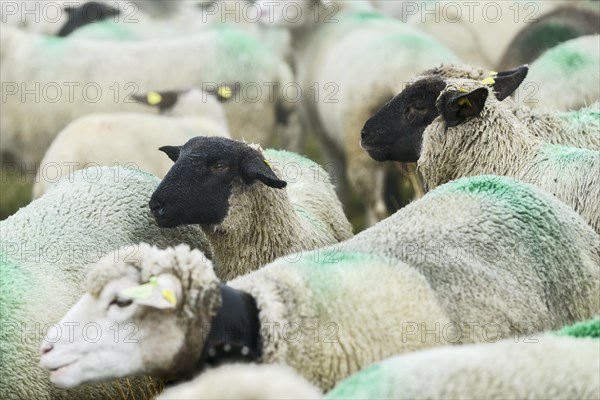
(244, 382)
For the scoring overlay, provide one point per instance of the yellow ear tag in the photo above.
(269, 165)
(462, 90)
(225, 92)
(488, 81)
(463, 101)
(142, 291)
(493, 74)
(153, 98)
(169, 296)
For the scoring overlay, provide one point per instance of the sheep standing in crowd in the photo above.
(562, 24)
(397, 267)
(45, 250)
(565, 77)
(349, 61)
(235, 192)
(131, 139)
(530, 367)
(475, 134)
(106, 75)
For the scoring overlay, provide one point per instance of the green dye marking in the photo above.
(16, 286)
(547, 36)
(565, 153)
(364, 383)
(285, 156)
(567, 58)
(365, 16)
(589, 329)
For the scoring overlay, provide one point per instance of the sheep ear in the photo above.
(160, 292)
(506, 82)
(461, 106)
(171, 151)
(259, 168)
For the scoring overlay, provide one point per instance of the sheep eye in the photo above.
(220, 166)
(122, 303)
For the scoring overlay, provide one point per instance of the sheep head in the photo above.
(142, 314)
(207, 170)
(395, 132)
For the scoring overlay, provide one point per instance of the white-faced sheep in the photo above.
(531, 367)
(49, 81)
(476, 260)
(131, 139)
(45, 250)
(564, 78)
(336, 45)
(233, 191)
(476, 134)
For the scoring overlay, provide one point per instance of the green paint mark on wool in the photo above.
(589, 329)
(360, 385)
(560, 153)
(15, 287)
(365, 16)
(547, 36)
(488, 185)
(567, 59)
(310, 218)
(284, 156)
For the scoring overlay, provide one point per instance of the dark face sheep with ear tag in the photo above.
(197, 188)
(395, 132)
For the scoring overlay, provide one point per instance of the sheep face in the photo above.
(196, 190)
(117, 333)
(395, 132)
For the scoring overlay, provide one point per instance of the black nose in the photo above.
(364, 134)
(157, 207)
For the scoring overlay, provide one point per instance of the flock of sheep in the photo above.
(179, 245)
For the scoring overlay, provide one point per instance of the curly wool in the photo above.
(46, 248)
(199, 284)
(497, 142)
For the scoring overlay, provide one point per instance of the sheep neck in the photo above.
(233, 334)
(261, 225)
(496, 143)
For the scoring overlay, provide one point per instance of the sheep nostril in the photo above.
(364, 134)
(46, 347)
(157, 207)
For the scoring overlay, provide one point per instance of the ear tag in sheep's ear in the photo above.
(142, 291)
(154, 98)
(464, 101)
(169, 296)
(224, 92)
(488, 81)
(462, 90)
(493, 74)
(269, 165)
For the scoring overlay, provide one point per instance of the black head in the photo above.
(85, 14)
(395, 132)
(197, 188)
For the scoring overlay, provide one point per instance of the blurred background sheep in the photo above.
(107, 82)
